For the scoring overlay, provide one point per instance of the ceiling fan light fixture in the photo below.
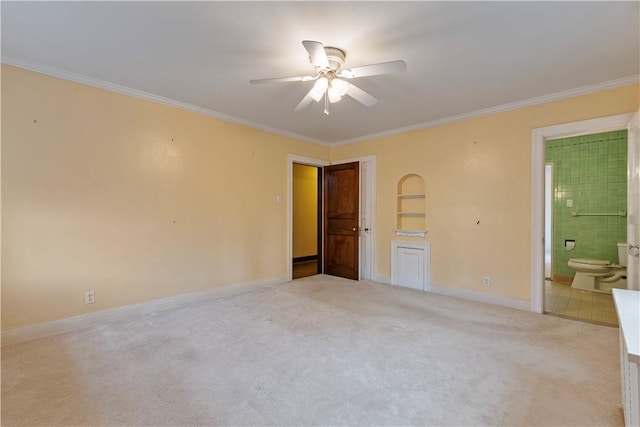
(340, 86)
(334, 95)
(319, 88)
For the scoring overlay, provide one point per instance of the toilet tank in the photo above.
(622, 254)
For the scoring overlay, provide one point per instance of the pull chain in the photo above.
(326, 104)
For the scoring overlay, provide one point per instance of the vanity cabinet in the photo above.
(627, 308)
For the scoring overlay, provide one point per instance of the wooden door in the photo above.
(341, 214)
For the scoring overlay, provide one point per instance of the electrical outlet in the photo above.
(486, 281)
(89, 297)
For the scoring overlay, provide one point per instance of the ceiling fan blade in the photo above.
(317, 54)
(361, 96)
(305, 101)
(374, 69)
(283, 79)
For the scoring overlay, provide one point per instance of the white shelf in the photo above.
(411, 213)
(414, 233)
(411, 196)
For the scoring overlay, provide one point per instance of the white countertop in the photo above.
(628, 309)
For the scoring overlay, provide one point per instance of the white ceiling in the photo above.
(462, 57)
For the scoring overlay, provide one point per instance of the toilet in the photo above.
(598, 275)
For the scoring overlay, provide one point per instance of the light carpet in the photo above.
(320, 351)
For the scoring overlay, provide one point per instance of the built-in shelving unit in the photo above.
(411, 218)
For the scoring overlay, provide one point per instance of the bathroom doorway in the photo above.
(598, 147)
(585, 218)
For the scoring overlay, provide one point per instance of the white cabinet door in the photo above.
(411, 265)
(411, 268)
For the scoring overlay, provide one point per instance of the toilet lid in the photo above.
(590, 261)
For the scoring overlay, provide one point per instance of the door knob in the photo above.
(354, 229)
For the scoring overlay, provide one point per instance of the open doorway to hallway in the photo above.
(306, 220)
(367, 203)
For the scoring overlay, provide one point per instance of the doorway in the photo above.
(307, 161)
(589, 221)
(306, 220)
(366, 229)
(539, 137)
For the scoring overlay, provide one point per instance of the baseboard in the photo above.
(562, 279)
(27, 333)
(383, 279)
(518, 304)
(471, 295)
(305, 258)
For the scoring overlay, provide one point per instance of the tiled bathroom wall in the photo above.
(590, 171)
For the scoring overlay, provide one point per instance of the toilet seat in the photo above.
(597, 275)
(592, 266)
(590, 261)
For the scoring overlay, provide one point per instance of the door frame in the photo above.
(370, 189)
(538, 138)
(551, 208)
(633, 216)
(308, 161)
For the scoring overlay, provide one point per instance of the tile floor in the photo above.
(563, 300)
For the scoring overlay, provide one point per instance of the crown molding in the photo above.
(113, 87)
(584, 90)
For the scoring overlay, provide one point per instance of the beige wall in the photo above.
(140, 201)
(305, 210)
(477, 174)
(132, 199)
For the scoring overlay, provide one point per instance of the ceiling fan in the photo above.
(331, 80)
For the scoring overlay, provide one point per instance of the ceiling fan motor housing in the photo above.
(336, 58)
